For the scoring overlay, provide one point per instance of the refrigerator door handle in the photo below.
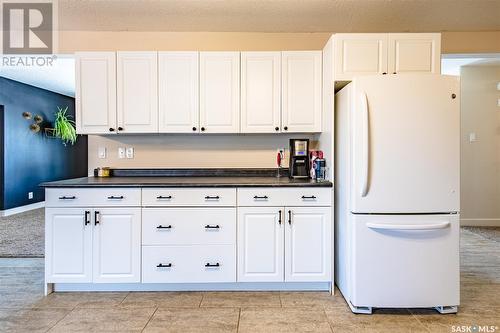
(366, 144)
(384, 226)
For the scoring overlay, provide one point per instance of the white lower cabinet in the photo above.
(93, 245)
(117, 245)
(291, 244)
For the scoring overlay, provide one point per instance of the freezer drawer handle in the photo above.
(161, 197)
(67, 198)
(208, 226)
(212, 265)
(164, 226)
(433, 226)
(164, 265)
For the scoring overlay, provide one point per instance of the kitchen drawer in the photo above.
(86, 197)
(184, 226)
(278, 197)
(188, 264)
(189, 197)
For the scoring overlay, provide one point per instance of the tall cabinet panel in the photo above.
(415, 53)
(301, 91)
(260, 244)
(219, 92)
(260, 92)
(95, 92)
(68, 245)
(137, 84)
(178, 92)
(360, 54)
(117, 245)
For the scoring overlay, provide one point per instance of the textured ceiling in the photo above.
(280, 15)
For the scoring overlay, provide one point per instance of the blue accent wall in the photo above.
(29, 159)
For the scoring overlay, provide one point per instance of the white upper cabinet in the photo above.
(260, 92)
(415, 53)
(301, 91)
(359, 54)
(178, 92)
(219, 92)
(95, 92)
(393, 53)
(137, 92)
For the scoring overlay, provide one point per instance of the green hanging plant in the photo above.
(64, 127)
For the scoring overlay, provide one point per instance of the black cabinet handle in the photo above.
(394, 73)
(112, 197)
(111, 129)
(203, 129)
(276, 128)
(120, 128)
(194, 128)
(96, 218)
(279, 217)
(212, 265)
(164, 226)
(208, 226)
(87, 217)
(384, 73)
(208, 197)
(312, 197)
(285, 128)
(164, 265)
(290, 217)
(67, 198)
(264, 197)
(161, 197)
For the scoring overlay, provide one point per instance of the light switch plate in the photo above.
(472, 137)
(121, 152)
(130, 152)
(101, 152)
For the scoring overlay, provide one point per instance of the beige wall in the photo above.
(480, 174)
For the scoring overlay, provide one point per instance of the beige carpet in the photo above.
(22, 235)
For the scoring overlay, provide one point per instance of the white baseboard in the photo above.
(236, 286)
(22, 209)
(480, 222)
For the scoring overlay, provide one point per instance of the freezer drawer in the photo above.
(405, 260)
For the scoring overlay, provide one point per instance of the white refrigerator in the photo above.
(397, 173)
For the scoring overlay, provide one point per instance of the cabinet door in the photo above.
(137, 104)
(220, 92)
(68, 245)
(359, 54)
(95, 92)
(308, 244)
(260, 244)
(178, 92)
(260, 92)
(117, 245)
(301, 91)
(415, 53)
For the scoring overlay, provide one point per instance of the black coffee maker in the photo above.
(299, 158)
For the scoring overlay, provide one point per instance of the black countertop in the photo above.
(215, 181)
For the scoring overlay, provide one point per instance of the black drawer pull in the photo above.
(96, 218)
(87, 217)
(164, 265)
(164, 226)
(208, 226)
(256, 197)
(116, 198)
(208, 197)
(67, 198)
(290, 217)
(161, 197)
(279, 217)
(309, 197)
(212, 265)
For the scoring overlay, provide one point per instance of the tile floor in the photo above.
(23, 308)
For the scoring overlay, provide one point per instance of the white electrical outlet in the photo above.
(101, 152)
(121, 152)
(472, 137)
(30, 195)
(130, 152)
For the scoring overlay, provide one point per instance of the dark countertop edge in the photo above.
(160, 185)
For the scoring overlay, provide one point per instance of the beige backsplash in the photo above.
(191, 151)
